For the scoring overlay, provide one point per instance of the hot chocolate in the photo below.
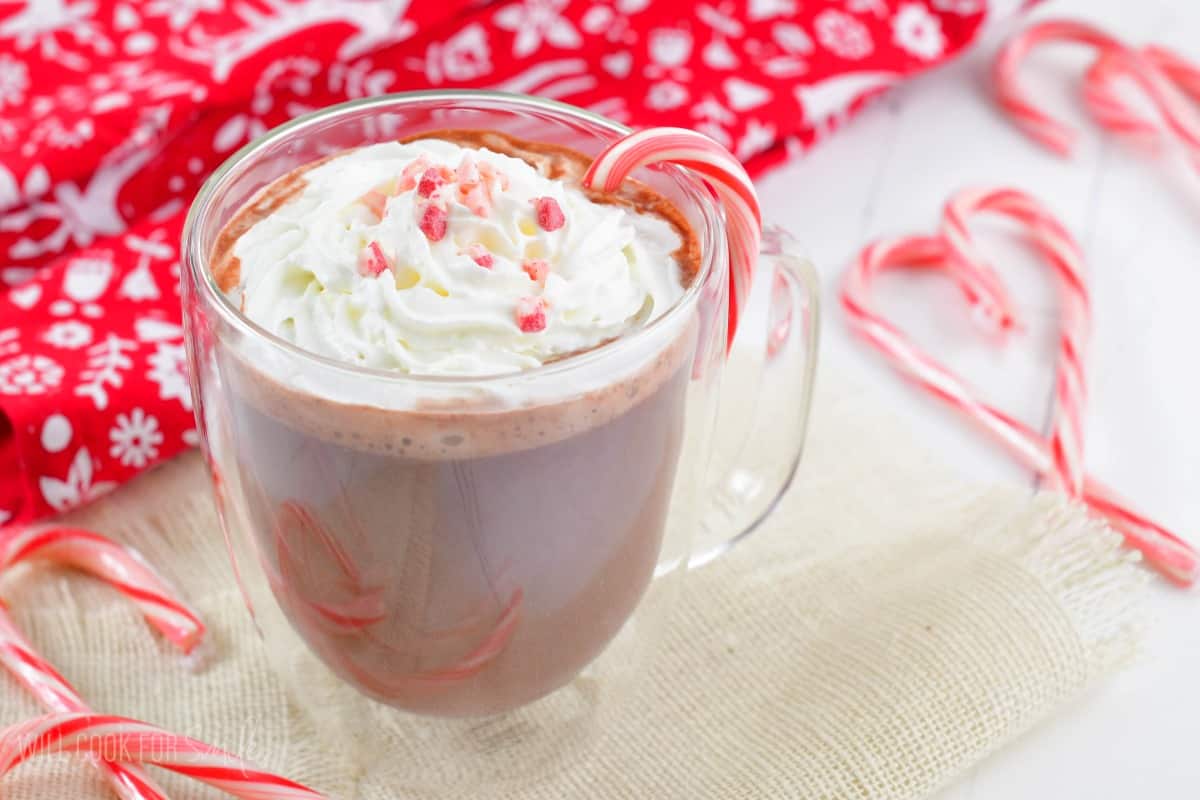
(460, 553)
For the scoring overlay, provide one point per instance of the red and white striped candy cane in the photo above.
(108, 737)
(1172, 556)
(726, 175)
(1180, 118)
(1055, 243)
(1103, 100)
(119, 566)
(911, 361)
(1177, 74)
(130, 575)
(128, 781)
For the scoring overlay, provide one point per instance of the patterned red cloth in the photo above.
(112, 113)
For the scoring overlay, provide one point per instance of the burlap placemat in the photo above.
(885, 630)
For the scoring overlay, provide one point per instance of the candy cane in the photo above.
(358, 615)
(1172, 556)
(108, 737)
(1111, 110)
(44, 682)
(121, 567)
(1059, 248)
(727, 176)
(1058, 137)
(1107, 108)
(124, 569)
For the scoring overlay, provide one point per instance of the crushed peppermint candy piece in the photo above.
(468, 171)
(376, 203)
(490, 173)
(531, 314)
(479, 200)
(550, 215)
(411, 173)
(372, 261)
(536, 269)
(480, 255)
(434, 221)
(431, 180)
(474, 191)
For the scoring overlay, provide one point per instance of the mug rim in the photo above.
(192, 252)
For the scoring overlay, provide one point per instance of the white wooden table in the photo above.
(1138, 218)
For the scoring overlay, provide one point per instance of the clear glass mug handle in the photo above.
(766, 396)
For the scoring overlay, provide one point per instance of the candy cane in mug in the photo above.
(726, 175)
(103, 736)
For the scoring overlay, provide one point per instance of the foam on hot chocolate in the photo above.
(444, 256)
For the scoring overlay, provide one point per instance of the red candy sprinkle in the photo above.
(549, 214)
(408, 176)
(430, 181)
(468, 172)
(531, 314)
(480, 255)
(433, 223)
(372, 261)
(536, 269)
(477, 199)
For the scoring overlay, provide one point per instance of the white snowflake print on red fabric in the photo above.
(29, 374)
(14, 81)
(168, 368)
(917, 31)
(179, 13)
(56, 433)
(961, 7)
(135, 439)
(877, 8)
(78, 487)
(666, 95)
(843, 35)
(465, 56)
(112, 114)
(535, 23)
(9, 341)
(107, 363)
(68, 335)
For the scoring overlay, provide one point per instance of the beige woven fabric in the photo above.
(885, 630)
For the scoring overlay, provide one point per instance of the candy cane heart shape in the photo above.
(1014, 98)
(912, 362)
(1056, 245)
(119, 566)
(109, 737)
(725, 174)
(1168, 85)
(1165, 551)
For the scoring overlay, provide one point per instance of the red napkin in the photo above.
(112, 113)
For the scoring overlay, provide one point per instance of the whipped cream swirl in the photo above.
(437, 259)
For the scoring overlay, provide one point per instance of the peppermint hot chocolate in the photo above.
(457, 554)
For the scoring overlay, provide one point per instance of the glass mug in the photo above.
(419, 550)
